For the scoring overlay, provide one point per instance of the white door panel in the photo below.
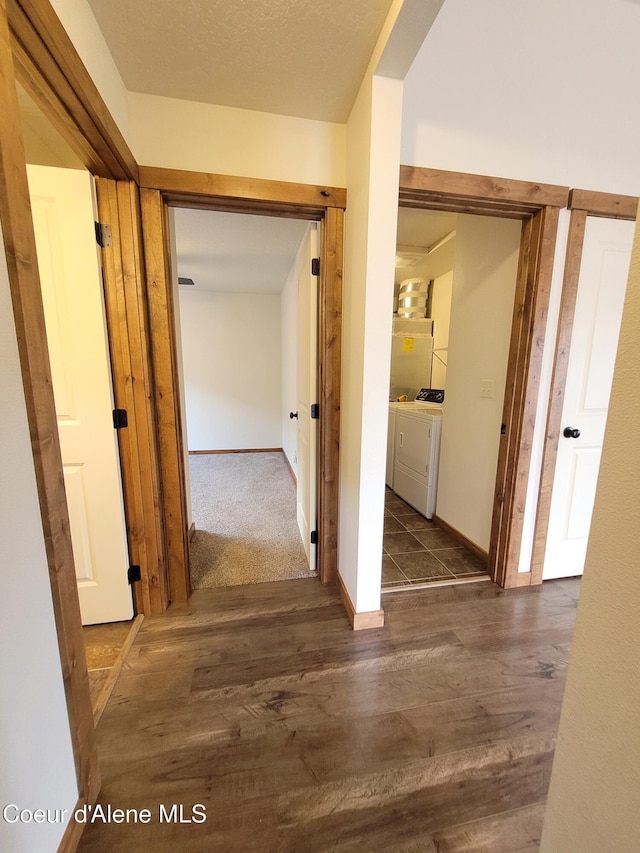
(70, 275)
(307, 384)
(601, 290)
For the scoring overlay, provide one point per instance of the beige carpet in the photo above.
(244, 509)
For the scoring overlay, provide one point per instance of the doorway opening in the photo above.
(449, 354)
(163, 190)
(537, 207)
(247, 363)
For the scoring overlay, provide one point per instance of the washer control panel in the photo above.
(430, 395)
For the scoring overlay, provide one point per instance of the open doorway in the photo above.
(455, 285)
(246, 336)
(62, 202)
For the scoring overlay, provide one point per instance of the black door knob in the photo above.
(571, 432)
(293, 415)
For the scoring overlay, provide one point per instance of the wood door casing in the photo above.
(270, 198)
(582, 203)
(129, 342)
(20, 250)
(537, 205)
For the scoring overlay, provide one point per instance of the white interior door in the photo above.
(307, 390)
(601, 289)
(70, 274)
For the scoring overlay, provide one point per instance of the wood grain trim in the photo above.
(178, 185)
(50, 69)
(538, 206)
(163, 344)
(73, 833)
(523, 579)
(490, 190)
(110, 683)
(608, 205)
(167, 400)
(510, 426)
(461, 538)
(242, 450)
(20, 249)
(573, 258)
(523, 382)
(330, 355)
(128, 333)
(359, 621)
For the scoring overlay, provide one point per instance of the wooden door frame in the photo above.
(38, 54)
(538, 206)
(26, 295)
(164, 188)
(582, 203)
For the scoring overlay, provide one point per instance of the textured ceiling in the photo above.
(232, 252)
(302, 58)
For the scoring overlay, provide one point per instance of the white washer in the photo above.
(417, 452)
(426, 399)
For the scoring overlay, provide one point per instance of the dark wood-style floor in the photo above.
(435, 733)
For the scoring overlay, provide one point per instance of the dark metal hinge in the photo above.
(315, 266)
(503, 429)
(314, 537)
(315, 411)
(103, 234)
(133, 574)
(120, 420)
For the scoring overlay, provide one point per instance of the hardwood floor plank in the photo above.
(435, 733)
(424, 798)
(516, 831)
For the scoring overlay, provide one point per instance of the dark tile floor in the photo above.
(417, 551)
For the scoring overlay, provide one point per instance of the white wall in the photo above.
(500, 110)
(372, 182)
(289, 336)
(82, 28)
(204, 137)
(484, 281)
(232, 369)
(35, 744)
(373, 159)
(593, 797)
(441, 316)
(501, 88)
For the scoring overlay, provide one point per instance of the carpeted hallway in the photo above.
(244, 510)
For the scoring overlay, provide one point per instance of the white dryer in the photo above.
(426, 398)
(417, 452)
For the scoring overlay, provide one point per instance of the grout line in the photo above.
(398, 568)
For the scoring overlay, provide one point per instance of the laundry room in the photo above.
(454, 291)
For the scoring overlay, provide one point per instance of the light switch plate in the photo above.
(487, 388)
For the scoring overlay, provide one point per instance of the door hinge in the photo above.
(133, 574)
(315, 266)
(503, 429)
(314, 537)
(103, 234)
(120, 420)
(315, 411)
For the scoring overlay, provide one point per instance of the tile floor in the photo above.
(416, 551)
